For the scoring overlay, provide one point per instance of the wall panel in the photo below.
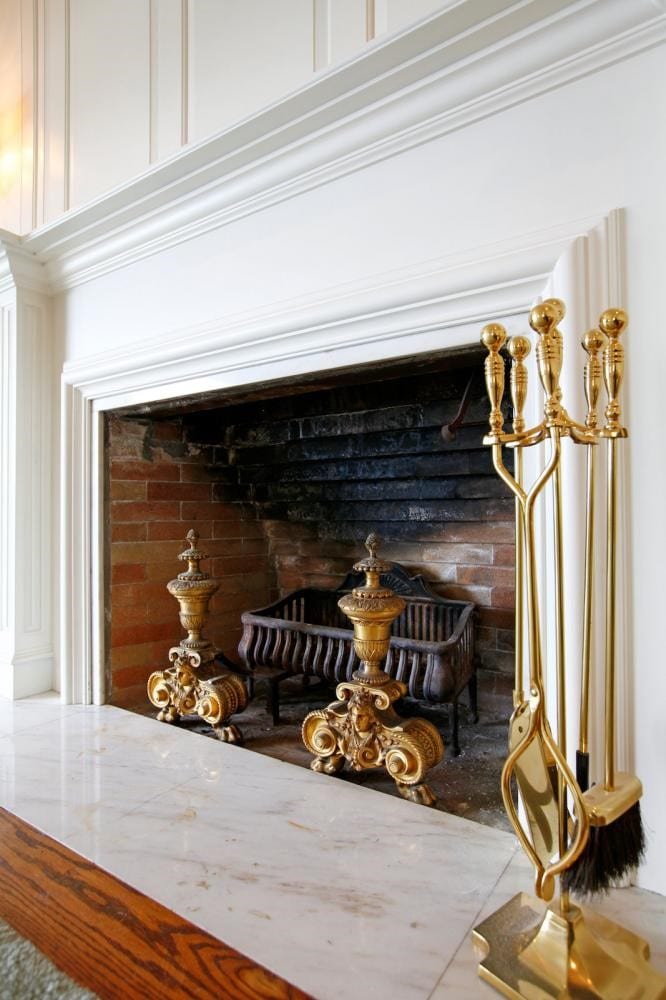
(245, 56)
(109, 94)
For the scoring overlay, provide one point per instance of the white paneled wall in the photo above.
(93, 92)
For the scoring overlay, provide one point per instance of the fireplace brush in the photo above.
(592, 342)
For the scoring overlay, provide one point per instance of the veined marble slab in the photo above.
(341, 890)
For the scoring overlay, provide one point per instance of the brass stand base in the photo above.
(534, 952)
(363, 729)
(179, 691)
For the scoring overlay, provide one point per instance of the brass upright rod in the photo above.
(518, 687)
(612, 322)
(609, 750)
(561, 669)
(588, 599)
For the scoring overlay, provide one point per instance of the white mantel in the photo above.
(444, 178)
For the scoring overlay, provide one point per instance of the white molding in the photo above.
(26, 536)
(24, 676)
(418, 310)
(444, 73)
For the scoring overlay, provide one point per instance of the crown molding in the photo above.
(444, 73)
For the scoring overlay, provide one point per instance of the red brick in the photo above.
(288, 530)
(237, 529)
(486, 576)
(126, 448)
(213, 509)
(129, 698)
(134, 676)
(504, 555)
(458, 553)
(154, 595)
(127, 489)
(128, 572)
(148, 552)
(179, 491)
(133, 614)
(503, 597)
(227, 565)
(130, 635)
(163, 572)
(496, 617)
(175, 531)
(479, 531)
(192, 473)
(478, 595)
(131, 531)
(156, 510)
(167, 431)
(142, 653)
(160, 471)
(118, 427)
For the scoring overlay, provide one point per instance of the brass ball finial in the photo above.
(519, 347)
(493, 337)
(593, 341)
(546, 316)
(613, 322)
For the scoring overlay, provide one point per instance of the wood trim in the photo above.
(111, 938)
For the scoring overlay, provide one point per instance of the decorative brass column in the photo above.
(362, 727)
(180, 689)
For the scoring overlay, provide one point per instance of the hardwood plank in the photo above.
(111, 938)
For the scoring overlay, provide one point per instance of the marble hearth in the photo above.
(341, 890)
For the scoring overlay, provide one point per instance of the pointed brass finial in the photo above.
(372, 543)
(193, 556)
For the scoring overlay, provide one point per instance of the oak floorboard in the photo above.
(110, 937)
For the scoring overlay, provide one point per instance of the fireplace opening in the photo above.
(283, 482)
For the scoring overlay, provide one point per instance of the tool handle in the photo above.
(592, 342)
(518, 348)
(612, 322)
(493, 337)
(543, 320)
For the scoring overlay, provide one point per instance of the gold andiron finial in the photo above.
(363, 728)
(184, 688)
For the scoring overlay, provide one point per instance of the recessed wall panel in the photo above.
(109, 49)
(243, 56)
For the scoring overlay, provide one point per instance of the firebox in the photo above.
(284, 482)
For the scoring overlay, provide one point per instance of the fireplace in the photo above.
(283, 484)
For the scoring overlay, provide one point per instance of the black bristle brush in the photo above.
(617, 840)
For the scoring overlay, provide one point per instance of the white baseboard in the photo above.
(26, 677)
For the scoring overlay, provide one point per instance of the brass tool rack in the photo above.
(550, 947)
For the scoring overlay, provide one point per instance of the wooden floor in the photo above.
(111, 938)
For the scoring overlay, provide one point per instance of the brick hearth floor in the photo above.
(338, 889)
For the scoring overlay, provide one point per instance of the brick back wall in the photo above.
(158, 487)
(323, 469)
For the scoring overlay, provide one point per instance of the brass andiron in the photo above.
(531, 949)
(363, 728)
(183, 688)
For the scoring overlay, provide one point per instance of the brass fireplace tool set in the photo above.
(589, 837)
(187, 687)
